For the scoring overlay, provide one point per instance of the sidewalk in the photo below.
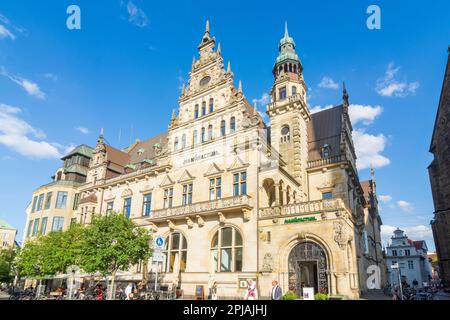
(375, 295)
(441, 295)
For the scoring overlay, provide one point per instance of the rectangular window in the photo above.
(187, 194)
(282, 93)
(327, 195)
(73, 221)
(44, 225)
(147, 208)
(76, 201)
(407, 252)
(239, 183)
(61, 200)
(394, 253)
(58, 223)
(168, 197)
(48, 200)
(40, 202)
(30, 227)
(35, 227)
(410, 265)
(109, 207)
(127, 207)
(203, 108)
(215, 188)
(33, 209)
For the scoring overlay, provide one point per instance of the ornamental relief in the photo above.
(341, 236)
(127, 193)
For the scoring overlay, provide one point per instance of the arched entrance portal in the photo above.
(308, 268)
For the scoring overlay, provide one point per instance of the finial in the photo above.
(255, 108)
(229, 67)
(183, 88)
(173, 114)
(193, 61)
(344, 94)
(101, 131)
(240, 86)
(218, 48)
(286, 32)
(100, 137)
(207, 26)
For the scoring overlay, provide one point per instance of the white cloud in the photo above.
(50, 76)
(419, 232)
(263, 101)
(405, 206)
(363, 113)
(30, 87)
(328, 83)
(135, 14)
(6, 33)
(384, 198)
(319, 108)
(83, 130)
(21, 137)
(388, 86)
(368, 149)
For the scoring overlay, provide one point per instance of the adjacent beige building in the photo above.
(7, 235)
(237, 198)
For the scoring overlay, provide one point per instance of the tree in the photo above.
(112, 243)
(7, 264)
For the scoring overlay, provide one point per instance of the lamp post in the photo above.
(396, 266)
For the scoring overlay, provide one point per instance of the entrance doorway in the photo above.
(308, 268)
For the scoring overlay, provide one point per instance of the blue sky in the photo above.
(123, 71)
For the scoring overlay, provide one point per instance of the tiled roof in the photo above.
(83, 149)
(325, 128)
(5, 225)
(365, 185)
(145, 149)
(116, 156)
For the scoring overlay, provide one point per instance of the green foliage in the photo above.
(113, 243)
(321, 296)
(290, 295)
(7, 265)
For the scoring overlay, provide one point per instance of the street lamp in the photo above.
(396, 266)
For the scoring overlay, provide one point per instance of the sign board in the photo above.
(242, 282)
(308, 293)
(200, 293)
(159, 242)
(157, 256)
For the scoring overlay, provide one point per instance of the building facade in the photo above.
(439, 172)
(7, 236)
(411, 258)
(235, 198)
(52, 205)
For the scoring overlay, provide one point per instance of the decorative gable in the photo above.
(213, 170)
(185, 177)
(166, 181)
(238, 164)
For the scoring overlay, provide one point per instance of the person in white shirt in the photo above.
(276, 291)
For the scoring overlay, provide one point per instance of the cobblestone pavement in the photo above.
(375, 295)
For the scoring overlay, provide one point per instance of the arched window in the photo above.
(222, 128)
(196, 111)
(295, 68)
(176, 244)
(183, 141)
(194, 138)
(211, 105)
(175, 143)
(285, 134)
(203, 135)
(290, 67)
(285, 68)
(288, 195)
(226, 250)
(210, 132)
(203, 108)
(232, 125)
(294, 90)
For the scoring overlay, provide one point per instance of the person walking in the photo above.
(129, 290)
(252, 292)
(214, 291)
(276, 291)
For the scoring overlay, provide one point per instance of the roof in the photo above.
(365, 185)
(5, 225)
(83, 150)
(116, 156)
(325, 128)
(142, 150)
(420, 244)
(76, 168)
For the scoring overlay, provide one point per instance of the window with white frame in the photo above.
(226, 249)
(215, 188)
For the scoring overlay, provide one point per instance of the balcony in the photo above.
(326, 161)
(239, 203)
(279, 103)
(303, 208)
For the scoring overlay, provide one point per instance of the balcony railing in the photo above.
(303, 208)
(199, 208)
(326, 161)
(287, 100)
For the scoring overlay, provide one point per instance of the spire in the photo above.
(255, 108)
(100, 137)
(193, 61)
(344, 95)
(173, 114)
(286, 31)
(183, 88)
(229, 67)
(240, 86)
(218, 48)
(207, 27)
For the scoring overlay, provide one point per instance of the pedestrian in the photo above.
(276, 291)
(129, 290)
(214, 291)
(251, 293)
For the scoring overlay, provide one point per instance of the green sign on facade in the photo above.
(300, 219)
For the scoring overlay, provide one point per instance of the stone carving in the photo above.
(127, 193)
(340, 235)
(267, 263)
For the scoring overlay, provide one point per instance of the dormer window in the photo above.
(326, 150)
(140, 151)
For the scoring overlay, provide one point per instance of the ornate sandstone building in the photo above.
(439, 172)
(235, 198)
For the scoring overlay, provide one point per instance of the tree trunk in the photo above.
(111, 290)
